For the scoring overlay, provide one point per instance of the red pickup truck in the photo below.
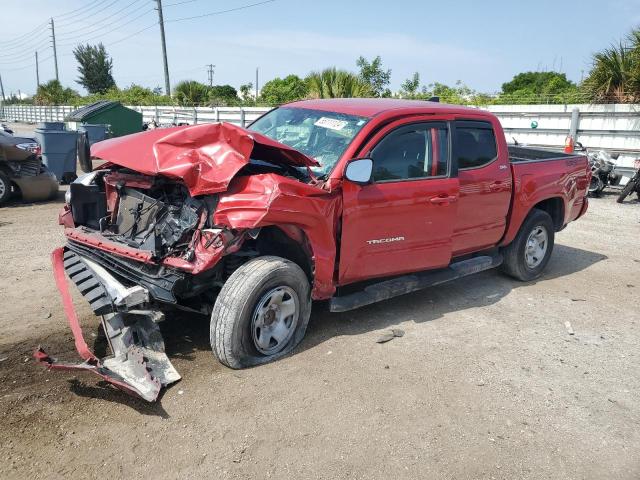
(350, 200)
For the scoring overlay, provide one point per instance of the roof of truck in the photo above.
(370, 107)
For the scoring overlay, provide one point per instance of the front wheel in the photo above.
(261, 313)
(626, 191)
(526, 257)
(5, 188)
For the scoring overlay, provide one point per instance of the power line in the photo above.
(112, 27)
(220, 12)
(84, 16)
(102, 20)
(179, 3)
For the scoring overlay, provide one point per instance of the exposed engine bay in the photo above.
(160, 218)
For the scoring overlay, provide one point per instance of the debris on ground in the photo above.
(390, 335)
(569, 328)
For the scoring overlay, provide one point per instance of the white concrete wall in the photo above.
(613, 127)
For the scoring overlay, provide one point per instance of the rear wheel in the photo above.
(261, 313)
(527, 256)
(626, 191)
(5, 188)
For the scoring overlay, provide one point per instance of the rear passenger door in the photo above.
(403, 221)
(485, 186)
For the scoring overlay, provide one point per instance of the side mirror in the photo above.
(359, 171)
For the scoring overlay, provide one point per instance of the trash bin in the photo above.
(122, 120)
(58, 152)
(51, 126)
(96, 132)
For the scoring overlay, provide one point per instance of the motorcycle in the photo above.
(603, 172)
(632, 185)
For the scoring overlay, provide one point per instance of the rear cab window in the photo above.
(474, 144)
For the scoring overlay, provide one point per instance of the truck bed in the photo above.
(528, 154)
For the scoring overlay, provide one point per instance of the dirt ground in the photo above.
(486, 383)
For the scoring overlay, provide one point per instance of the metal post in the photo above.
(257, 88)
(575, 120)
(37, 72)
(55, 54)
(242, 117)
(210, 73)
(2, 90)
(167, 86)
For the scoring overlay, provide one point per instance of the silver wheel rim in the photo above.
(3, 188)
(274, 320)
(536, 247)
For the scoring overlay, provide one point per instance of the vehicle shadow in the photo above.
(430, 304)
(16, 200)
(186, 334)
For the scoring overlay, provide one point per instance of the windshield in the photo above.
(323, 136)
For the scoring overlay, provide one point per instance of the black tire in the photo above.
(232, 319)
(515, 263)
(5, 188)
(84, 152)
(626, 191)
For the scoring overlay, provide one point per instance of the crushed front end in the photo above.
(142, 238)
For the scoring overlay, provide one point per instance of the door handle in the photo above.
(441, 200)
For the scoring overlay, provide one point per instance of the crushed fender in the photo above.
(138, 366)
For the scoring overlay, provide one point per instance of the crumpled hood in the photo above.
(203, 157)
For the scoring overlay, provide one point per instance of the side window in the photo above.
(474, 144)
(415, 151)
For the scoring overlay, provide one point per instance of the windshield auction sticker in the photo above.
(330, 123)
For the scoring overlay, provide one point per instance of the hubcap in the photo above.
(536, 246)
(274, 320)
(3, 188)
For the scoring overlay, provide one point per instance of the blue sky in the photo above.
(481, 43)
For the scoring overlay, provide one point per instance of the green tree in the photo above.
(245, 92)
(372, 73)
(191, 93)
(53, 93)
(284, 90)
(224, 95)
(94, 66)
(615, 75)
(334, 83)
(410, 87)
(538, 87)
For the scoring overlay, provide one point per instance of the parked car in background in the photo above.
(22, 172)
(348, 200)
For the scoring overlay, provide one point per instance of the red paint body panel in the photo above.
(204, 157)
(537, 181)
(485, 197)
(264, 200)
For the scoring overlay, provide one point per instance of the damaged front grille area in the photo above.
(162, 283)
(88, 284)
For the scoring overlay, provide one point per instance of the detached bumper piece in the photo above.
(139, 365)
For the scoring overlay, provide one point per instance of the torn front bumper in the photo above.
(139, 364)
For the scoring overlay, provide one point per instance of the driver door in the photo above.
(403, 220)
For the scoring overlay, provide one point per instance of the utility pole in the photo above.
(257, 88)
(167, 86)
(2, 89)
(210, 73)
(37, 72)
(55, 54)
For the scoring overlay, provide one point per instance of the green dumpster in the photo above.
(122, 120)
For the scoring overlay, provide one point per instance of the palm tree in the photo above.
(190, 92)
(334, 83)
(615, 75)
